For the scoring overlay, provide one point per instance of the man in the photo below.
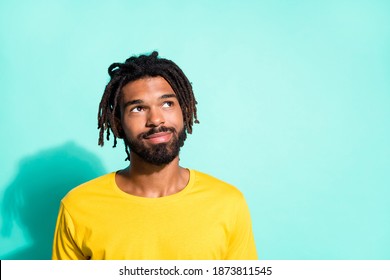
(154, 208)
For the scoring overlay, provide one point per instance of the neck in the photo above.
(144, 179)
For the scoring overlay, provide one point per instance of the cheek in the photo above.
(130, 128)
(177, 119)
(177, 122)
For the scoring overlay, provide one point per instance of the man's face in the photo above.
(152, 120)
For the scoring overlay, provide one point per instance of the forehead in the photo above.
(146, 88)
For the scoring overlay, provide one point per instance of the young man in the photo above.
(154, 208)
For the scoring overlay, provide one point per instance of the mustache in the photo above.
(156, 130)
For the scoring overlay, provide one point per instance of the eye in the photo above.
(137, 109)
(167, 104)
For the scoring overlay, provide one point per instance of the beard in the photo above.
(158, 154)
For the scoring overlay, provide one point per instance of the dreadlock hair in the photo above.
(134, 68)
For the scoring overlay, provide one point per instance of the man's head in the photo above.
(139, 74)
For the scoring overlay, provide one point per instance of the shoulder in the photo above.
(214, 185)
(91, 188)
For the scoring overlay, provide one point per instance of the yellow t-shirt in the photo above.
(207, 220)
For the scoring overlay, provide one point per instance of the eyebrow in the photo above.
(170, 95)
(140, 101)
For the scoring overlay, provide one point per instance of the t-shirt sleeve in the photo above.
(241, 242)
(64, 245)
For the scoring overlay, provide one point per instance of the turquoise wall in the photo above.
(294, 105)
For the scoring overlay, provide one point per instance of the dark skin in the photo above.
(150, 103)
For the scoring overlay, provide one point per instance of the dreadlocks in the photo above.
(134, 68)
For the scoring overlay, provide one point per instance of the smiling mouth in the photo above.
(159, 137)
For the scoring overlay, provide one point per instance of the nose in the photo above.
(155, 118)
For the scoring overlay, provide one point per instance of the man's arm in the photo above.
(64, 246)
(242, 244)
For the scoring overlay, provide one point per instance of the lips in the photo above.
(159, 137)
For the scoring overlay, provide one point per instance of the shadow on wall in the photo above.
(33, 197)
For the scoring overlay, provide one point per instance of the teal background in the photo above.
(293, 99)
